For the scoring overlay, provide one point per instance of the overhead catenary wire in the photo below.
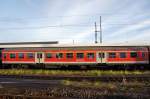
(73, 15)
(63, 26)
(40, 27)
(10, 19)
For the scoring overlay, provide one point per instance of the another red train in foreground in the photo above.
(48, 55)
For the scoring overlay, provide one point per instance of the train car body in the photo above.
(76, 55)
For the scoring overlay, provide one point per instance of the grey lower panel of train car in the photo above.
(110, 66)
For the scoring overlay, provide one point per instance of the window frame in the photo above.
(70, 56)
(22, 55)
(11, 54)
(101, 55)
(29, 57)
(40, 55)
(112, 56)
(46, 55)
(143, 54)
(124, 55)
(59, 55)
(79, 55)
(131, 54)
(90, 55)
(4, 55)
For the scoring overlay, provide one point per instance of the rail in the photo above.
(104, 78)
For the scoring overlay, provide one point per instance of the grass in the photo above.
(86, 84)
(67, 72)
(104, 85)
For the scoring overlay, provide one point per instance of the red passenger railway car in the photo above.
(70, 55)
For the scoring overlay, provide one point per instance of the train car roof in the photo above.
(56, 45)
(28, 43)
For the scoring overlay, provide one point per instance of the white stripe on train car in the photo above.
(131, 62)
(124, 62)
(16, 62)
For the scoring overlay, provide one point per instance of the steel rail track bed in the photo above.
(104, 78)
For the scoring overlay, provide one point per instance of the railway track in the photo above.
(121, 96)
(104, 78)
(53, 87)
(7, 96)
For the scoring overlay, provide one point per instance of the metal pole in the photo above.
(100, 30)
(95, 33)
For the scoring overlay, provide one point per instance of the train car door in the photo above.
(101, 57)
(39, 57)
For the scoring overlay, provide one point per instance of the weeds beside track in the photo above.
(104, 78)
(69, 72)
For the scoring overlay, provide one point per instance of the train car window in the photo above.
(122, 55)
(12, 55)
(90, 55)
(39, 55)
(112, 55)
(4, 55)
(21, 55)
(101, 55)
(133, 54)
(69, 55)
(143, 54)
(59, 55)
(30, 55)
(48, 55)
(80, 55)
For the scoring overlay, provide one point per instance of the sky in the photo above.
(123, 21)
